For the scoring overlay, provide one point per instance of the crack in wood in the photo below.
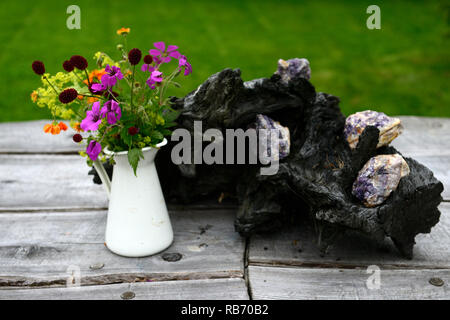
(12, 282)
(299, 264)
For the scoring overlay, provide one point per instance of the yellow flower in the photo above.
(122, 31)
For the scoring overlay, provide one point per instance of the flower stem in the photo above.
(91, 96)
(132, 87)
(81, 80)
(51, 85)
(87, 77)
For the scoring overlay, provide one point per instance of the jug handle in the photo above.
(103, 176)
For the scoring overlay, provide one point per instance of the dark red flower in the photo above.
(68, 66)
(148, 59)
(68, 95)
(132, 131)
(134, 56)
(77, 137)
(79, 62)
(38, 67)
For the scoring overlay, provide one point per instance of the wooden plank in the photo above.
(29, 137)
(48, 181)
(306, 283)
(424, 136)
(297, 246)
(217, 289)
(42, 249)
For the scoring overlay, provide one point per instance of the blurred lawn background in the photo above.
(403, 68)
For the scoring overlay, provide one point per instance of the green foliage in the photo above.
(134, 155)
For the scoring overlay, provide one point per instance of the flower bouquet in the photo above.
(120, 112)
(121, 108)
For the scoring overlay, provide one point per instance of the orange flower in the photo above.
(97, 74)
(123, 31)
(63, 126)
(92, 100)
(80, 97)
(76, 127)
(56, 129)
(34, 96)
(48, 128)
(53, 129)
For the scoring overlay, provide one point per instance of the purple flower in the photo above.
(109, 79)
(184, 63)
(155, 77)
(113, 74)
(93, 150)
(160, 55)
(98, 87)
(93, 118)
(111, 111)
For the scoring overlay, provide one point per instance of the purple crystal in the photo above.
(355, 124)
(264, 122)
(293, 68)
(378, 178)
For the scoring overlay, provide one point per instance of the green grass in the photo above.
(401, 69)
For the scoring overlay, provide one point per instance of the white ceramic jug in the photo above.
(138, 223)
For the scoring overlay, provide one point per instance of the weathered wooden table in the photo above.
(52, 221)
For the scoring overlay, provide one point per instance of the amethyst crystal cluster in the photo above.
(378, 178)
(293, 68)
(266, 143)
(355, 124)
(341, 173)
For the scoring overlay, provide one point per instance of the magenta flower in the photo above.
(113, 74)
(98, 87)
(184, 63)
(155, 77)
(108, 80)
(111, 111)
(93, 150)
(93, 118)
(160, 55)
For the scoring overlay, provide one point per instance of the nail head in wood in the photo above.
(96, 266)
(128, 295)
(438, 282)
(172, 257)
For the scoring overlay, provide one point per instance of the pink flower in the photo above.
(111, 111)
(93, 118)
(93, 150)
(155, 77)
(184, 63)
(160, 55)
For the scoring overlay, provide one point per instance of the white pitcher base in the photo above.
(137, 252)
